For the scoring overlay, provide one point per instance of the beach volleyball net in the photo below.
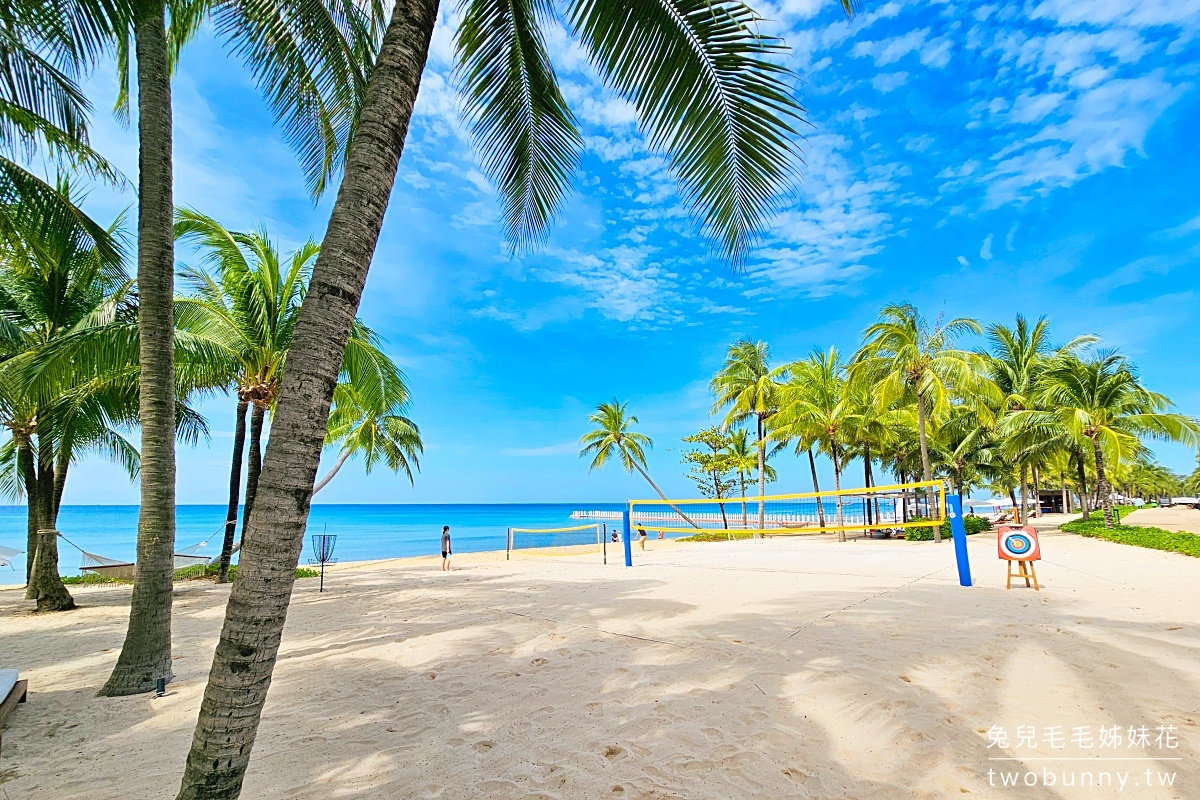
(571, 540)
(890, 509)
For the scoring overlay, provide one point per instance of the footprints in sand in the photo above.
(613, 752)
(484, 746)
(539, 662)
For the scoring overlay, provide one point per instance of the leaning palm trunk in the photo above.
(1102, 486)
(271, 544)
(745, 517)
(762, 478)
(253, 463)
(333, 471)
(812, 465)
(235, 490)
(659, 491)
(926, 469)
(146, 653)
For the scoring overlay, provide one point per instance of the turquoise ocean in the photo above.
(364, 531)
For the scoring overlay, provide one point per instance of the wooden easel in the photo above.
(1022, 573)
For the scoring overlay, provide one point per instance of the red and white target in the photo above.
(1018, 543)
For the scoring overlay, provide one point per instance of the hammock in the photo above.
(6, 556)
(124, 570)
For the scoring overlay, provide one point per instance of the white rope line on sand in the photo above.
(586, 627)
(863, 600)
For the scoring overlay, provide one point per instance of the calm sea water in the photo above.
(363, 531)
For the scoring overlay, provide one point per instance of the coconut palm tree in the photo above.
(1100, 401)
(247, 310)
(743, 455)
(710, 94)
(746, 387)
(311, 61)
(813, 407)
(377, 432)
(613, 436)
(907, 358)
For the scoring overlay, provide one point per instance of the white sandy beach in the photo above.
(785, 668)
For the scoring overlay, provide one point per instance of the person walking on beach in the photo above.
(446, 551)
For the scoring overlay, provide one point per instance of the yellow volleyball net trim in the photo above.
(895, 507)
(553, 542)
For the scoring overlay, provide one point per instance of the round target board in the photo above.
(1018, 543)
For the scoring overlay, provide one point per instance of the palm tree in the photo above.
(359, 426)
(814, 408)
(743, 455)
(747, 388)
(907, 358)
(710, 94)
(614, 436)
(54, 283)
(1100, 401)
(311, 63)
(247, 312)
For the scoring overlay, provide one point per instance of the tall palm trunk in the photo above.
(146, 654)
(46, 586)
(762, 477)
(1023, 516)
(926, 469)
(867, 484)
(28, 472)
(271, 544)
(837, 487)
(1037, 492)
(1083, 490)
(812, 465)
(1102, 487)
(1066, 496)
(745, 517)
(235, 491)
(253, 463)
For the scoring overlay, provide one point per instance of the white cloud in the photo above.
(889, 51)
(985, 252)
(963, 260)
(889, 81)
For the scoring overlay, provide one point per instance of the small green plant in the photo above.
(196, 572)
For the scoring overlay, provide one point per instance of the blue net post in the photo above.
(959, 531)
(625, 537)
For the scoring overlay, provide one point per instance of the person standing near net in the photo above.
(446, 551)
(642, 538)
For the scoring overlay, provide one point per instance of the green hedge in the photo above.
(193, 573)
(1153, 538)
(971, 523)
(717, 537)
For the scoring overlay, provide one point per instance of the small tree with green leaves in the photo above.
(710, 465)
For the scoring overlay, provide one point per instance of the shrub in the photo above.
(1154, 538)
(971, 523)
(195, 572)
(717, 537)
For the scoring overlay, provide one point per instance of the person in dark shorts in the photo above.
(446, 550)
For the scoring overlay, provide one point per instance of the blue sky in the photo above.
(976, 159)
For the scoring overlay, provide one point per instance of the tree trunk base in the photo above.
(47, 587)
